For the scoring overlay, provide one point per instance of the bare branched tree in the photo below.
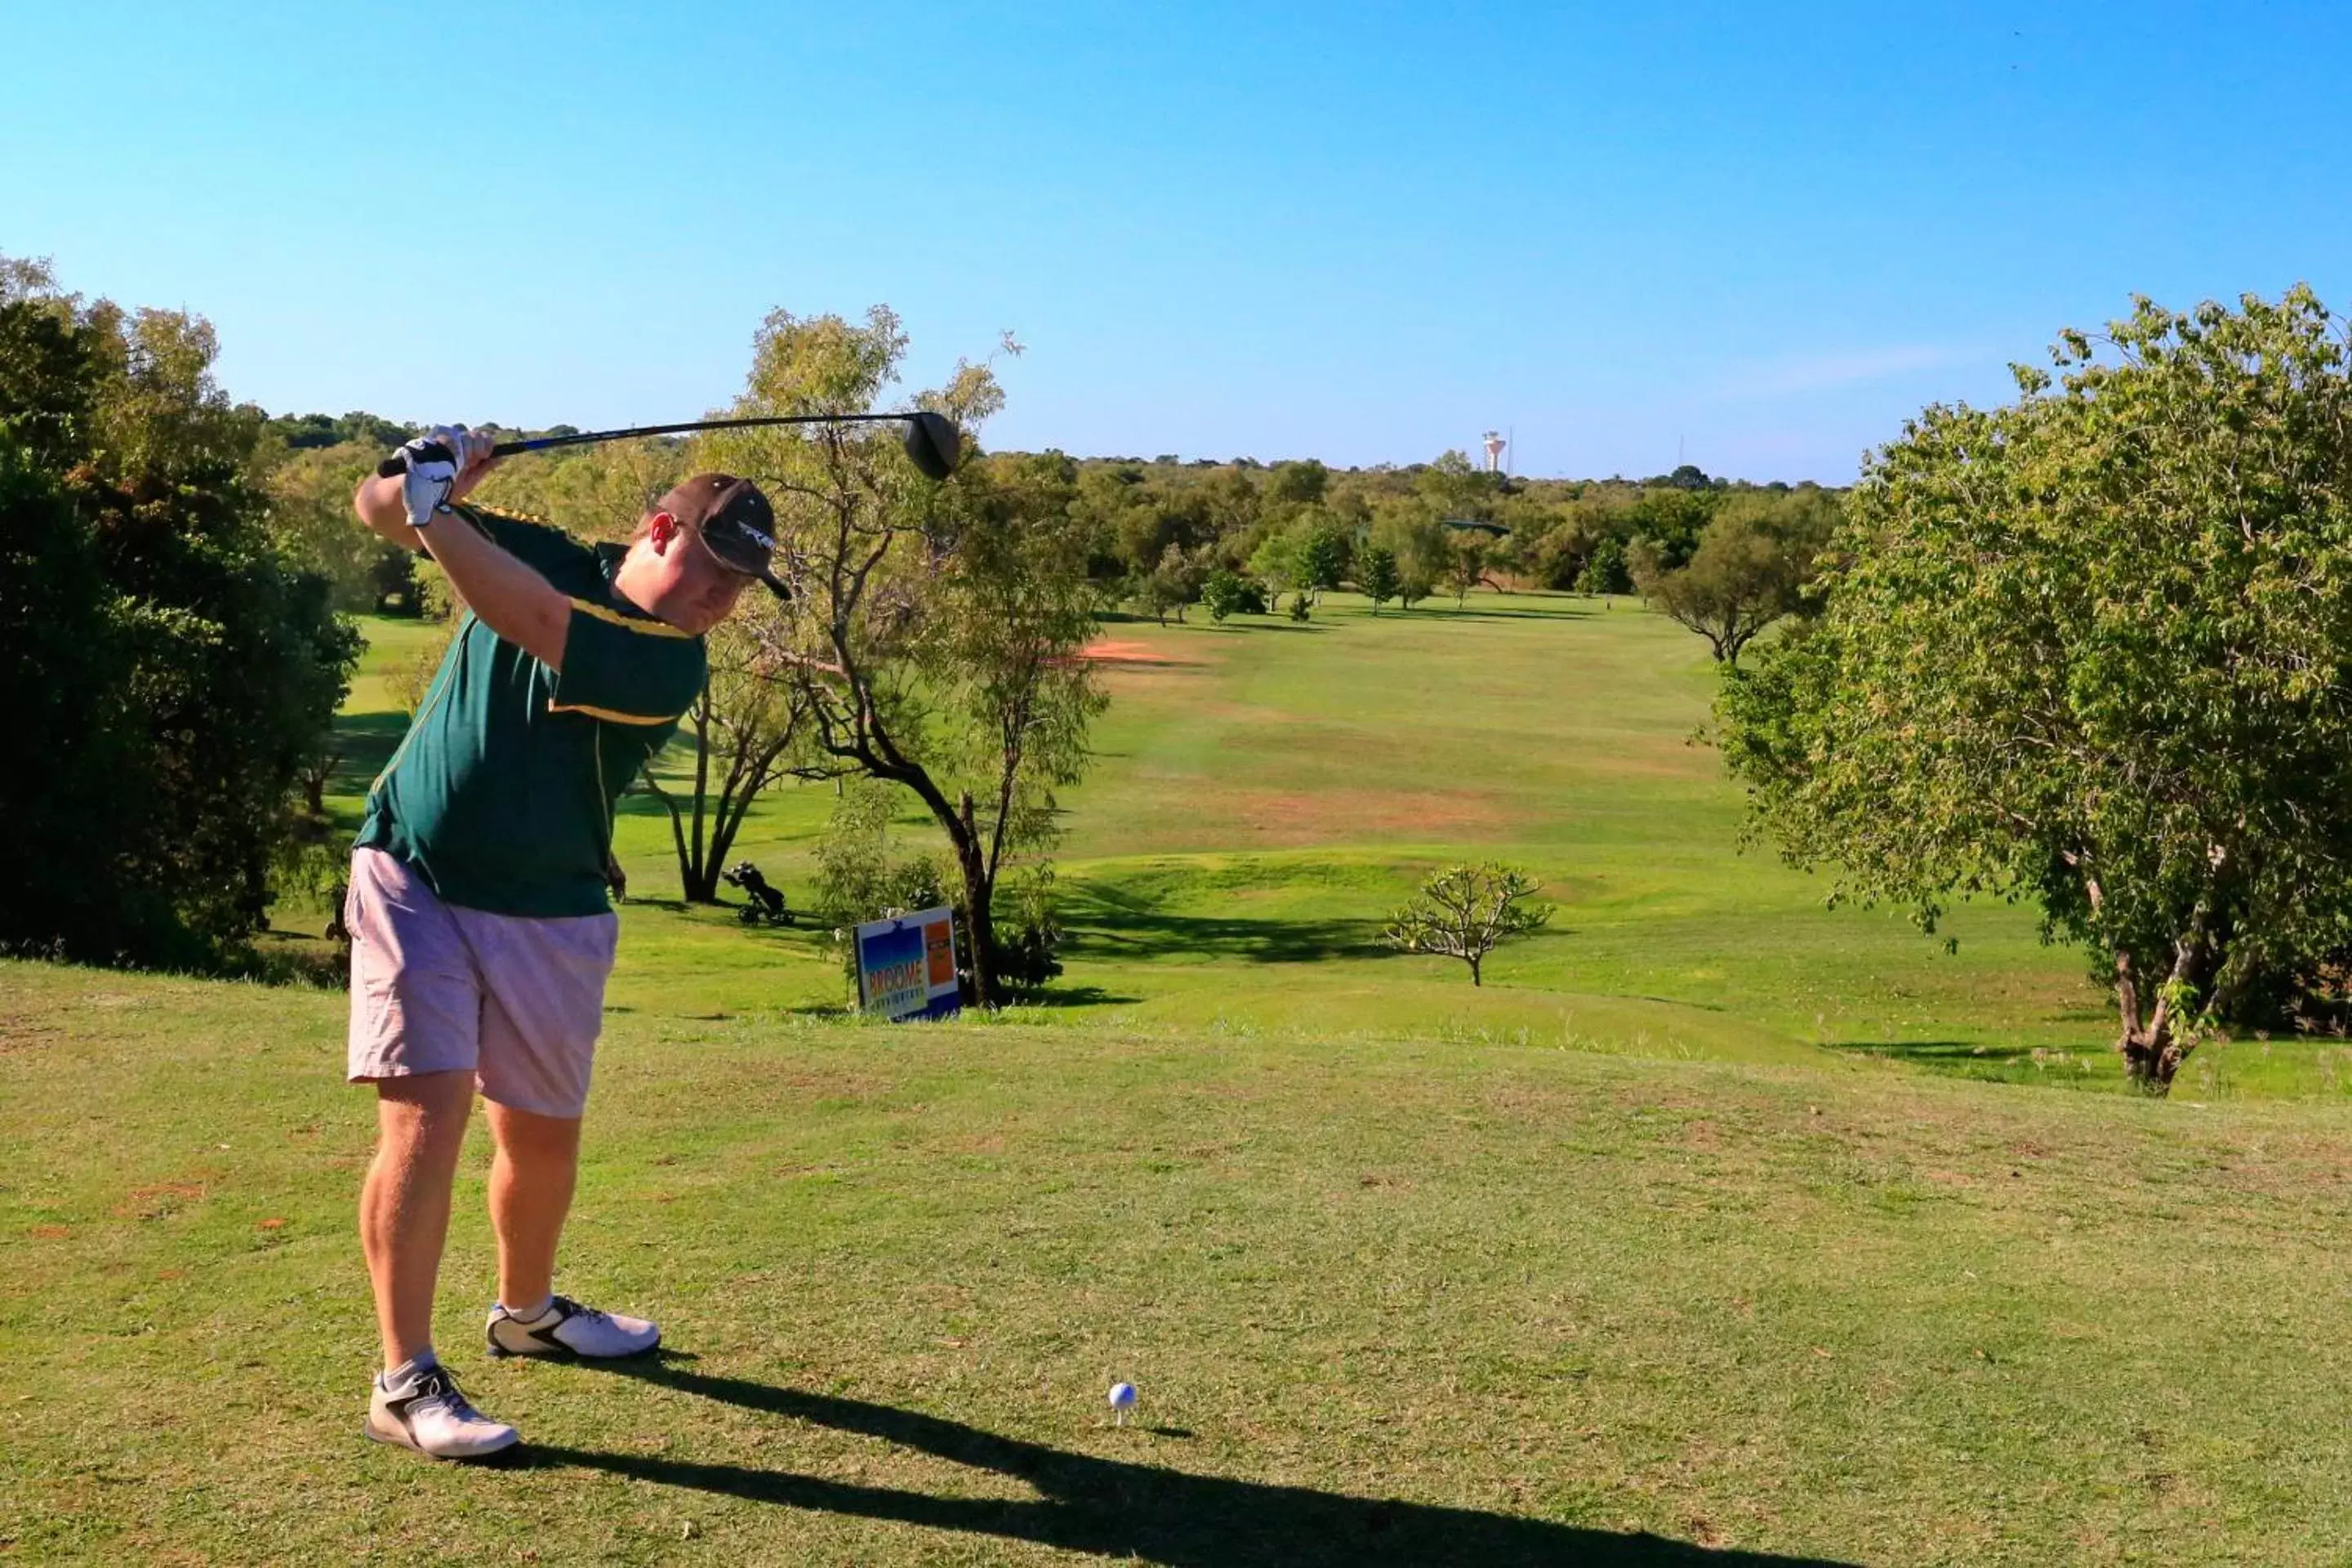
(1467, 911)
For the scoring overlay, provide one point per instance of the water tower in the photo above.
(1495, 445)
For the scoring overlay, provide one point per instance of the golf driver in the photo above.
(931, 439)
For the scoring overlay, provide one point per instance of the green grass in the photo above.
(1387, 1301)
(1689, 1228)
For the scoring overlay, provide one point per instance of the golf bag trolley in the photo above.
(764, 904)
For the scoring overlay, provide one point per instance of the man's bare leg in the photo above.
(405, 1204)
(532, 1178)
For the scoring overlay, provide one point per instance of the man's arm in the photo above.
(512, 599)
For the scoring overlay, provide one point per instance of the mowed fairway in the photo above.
(1634, 1255)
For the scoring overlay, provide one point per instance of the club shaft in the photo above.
(540, 442)
(390, 466)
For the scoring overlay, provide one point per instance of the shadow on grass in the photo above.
(2073, 1068)
(1943, 1055)
(1540, 611)
(367, 742)
(1117, 1507)
(1102, 918)
(1139, 936)
(1075, 996)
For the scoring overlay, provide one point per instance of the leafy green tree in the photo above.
(599, 492)
(2092, 649)
(1750, 570)
(1297, 484)
(1467, 911)
(1605, 570)
(1455, 489)
(1413, 535)
(310, 521)
(1379, 572)
(1672, 517)
(175, 676)
(1467, 555)
(1323, 554)
(935, 629)
(1279, 564)
(1174, 583)
(1227, 594)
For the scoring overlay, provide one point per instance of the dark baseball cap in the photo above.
(734, 522)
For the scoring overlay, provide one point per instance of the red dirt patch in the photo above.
(1113, 650)
(51, 1232)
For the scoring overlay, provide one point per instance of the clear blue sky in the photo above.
(1758, 235)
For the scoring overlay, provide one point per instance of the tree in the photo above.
(1323, 554)
(1467, 911)
(1412, 533)
(1604, 570)
(2090, 649)
(1297, 484)
(1226, 593)
(600, 490)
(935, 629)
(310, 521)
(1467, 553)
(174, 676)
(1277, 564)
(1456, 490)
(1173, 583)
(1380, 580)
(1750, 570)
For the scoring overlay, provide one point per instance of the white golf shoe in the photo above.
(565, 1328)
(420, 1407)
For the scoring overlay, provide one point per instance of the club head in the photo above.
(932, 444)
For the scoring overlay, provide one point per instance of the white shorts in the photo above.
(435, 988)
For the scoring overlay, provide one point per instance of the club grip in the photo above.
(389, 469)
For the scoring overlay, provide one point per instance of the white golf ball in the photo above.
(1122, 1396)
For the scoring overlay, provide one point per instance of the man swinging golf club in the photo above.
(481, 937)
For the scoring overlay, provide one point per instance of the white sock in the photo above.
(536, 1313)
(414, 1367)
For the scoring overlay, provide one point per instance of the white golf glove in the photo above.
(430, 465)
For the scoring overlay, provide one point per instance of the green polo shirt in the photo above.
(501, 794)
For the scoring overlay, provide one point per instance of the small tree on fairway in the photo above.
(1467, 911)
(1466, 559)
(1227, 593)
(1277, 564)
(1604, 570)
(2094, 650)
(1175, 583)
(1323, 555)
(1379, 575)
